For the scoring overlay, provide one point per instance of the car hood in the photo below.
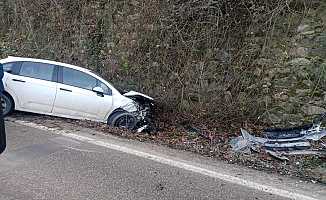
(138, 94)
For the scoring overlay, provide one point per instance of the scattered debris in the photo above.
(280, 142)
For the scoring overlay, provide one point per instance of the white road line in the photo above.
(175, 163)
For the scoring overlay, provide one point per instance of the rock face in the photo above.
(312, 110)
(296, 80)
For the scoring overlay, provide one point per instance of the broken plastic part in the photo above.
(141, 129)
(279, 142)
(287, 145)
(277, 155)
(239, 144)
(279, 147)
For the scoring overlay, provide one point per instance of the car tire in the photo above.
(122, 119)
(7, 104)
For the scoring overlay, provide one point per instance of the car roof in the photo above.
(90, 72)
(22, 59)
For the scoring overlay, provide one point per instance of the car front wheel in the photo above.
(7, 105)
(123, 119)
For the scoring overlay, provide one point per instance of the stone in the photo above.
(222, 55)
(319, 48)
(267, 85)
(266, 90)
(302, 92)
(274, 118)
(301, 74)
(284, 97)
(264, 62)
(282, 82)
(281, 96)
(302, 27)
(292, 119)
(298, 52)
(288, 107)
(317, 103)
(267, 100)
(308, 32)
(228, 96)
(301, 67)
(134, 2)
(312, 110)
(285, 70)
(242, 98)
(300, 62)
(258, 72)
(294, 100)
(324, 97)
(319, 173)
(308, 83)
(185, 105)
(321, 40)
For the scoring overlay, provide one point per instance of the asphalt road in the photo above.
(42, 165)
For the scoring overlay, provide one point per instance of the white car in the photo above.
(63, 90)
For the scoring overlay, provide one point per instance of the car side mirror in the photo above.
(99, 91)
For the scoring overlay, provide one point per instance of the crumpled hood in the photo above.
(134, 94)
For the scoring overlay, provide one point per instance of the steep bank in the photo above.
(256, 61)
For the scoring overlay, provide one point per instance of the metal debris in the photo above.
(277, 155)
(280, 143)
(141, 129)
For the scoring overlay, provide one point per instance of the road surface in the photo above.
(40, 164)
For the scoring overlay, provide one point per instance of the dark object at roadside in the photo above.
(191, 130)
(2, 123)
(2, 132)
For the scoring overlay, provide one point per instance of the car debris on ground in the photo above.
(283, 142)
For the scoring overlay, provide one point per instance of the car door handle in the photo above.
(65, 90)
(18, 80)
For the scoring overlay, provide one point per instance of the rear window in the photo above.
(37, 70)
(12, 67)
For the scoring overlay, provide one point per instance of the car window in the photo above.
(37, 70)
(78, 79)
(105, 88)
(13, 67)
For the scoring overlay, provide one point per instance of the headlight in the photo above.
(130, 107)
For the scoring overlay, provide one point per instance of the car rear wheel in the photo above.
(7, 105)
(123, 119)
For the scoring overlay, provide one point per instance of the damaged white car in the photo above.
(63, 90)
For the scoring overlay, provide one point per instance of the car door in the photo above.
(75, 98)
(34, 87)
